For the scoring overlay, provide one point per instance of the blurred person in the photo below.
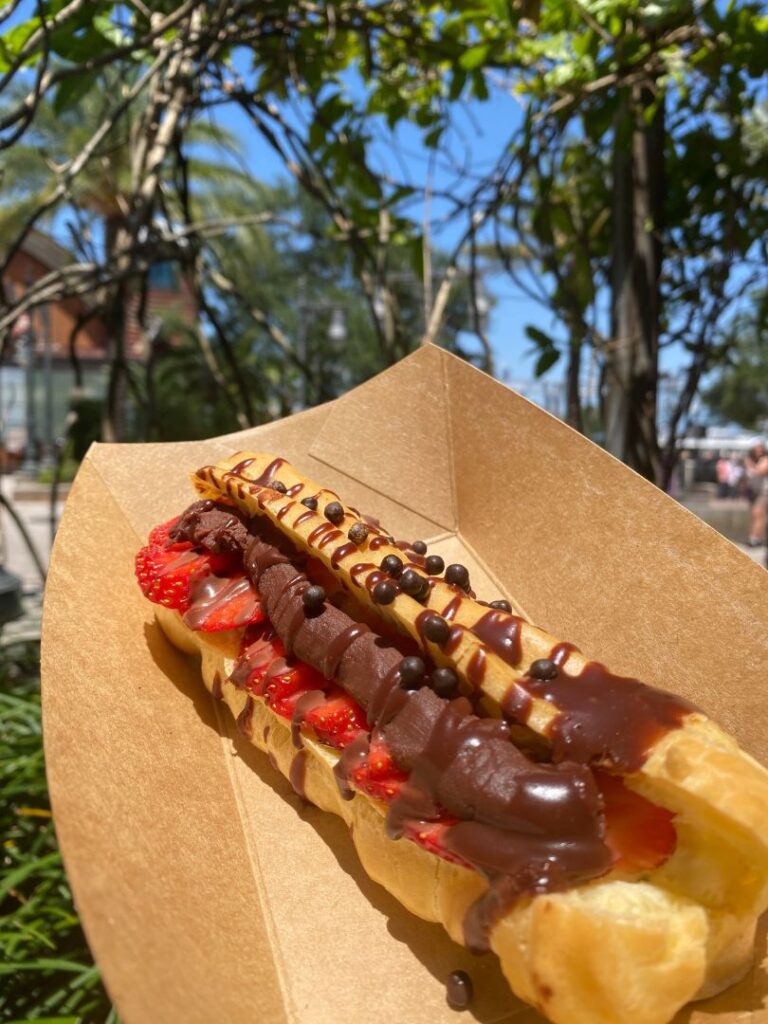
(722, 472)
(736, 474)
(757, 492)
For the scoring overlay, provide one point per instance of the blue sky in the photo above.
(482, 130)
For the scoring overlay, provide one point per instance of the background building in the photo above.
(37, 376)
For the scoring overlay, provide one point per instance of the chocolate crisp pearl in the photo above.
(458, 990)
(434, 565)
(419, 547)
(279, 487)
(412, 673)
(311, 503)
(444, 682)
(502, 605)
(392, 566)
(384, 592)
(313, 598)
(412, 582)
(334, 513)
(458, 575)
(436, 629)
(544, 668)
(358, 533)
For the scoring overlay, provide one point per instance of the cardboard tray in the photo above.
(208, 891)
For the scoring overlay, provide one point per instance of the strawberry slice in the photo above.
(429, 835)
(160, 537)
(166, 573)
(223, 602)
(338, 720)
(261, 646)
(640, 834)
(378, 775)
(282, 689)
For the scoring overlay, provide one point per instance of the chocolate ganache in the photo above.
(525, 826)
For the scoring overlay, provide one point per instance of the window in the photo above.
(164, 276)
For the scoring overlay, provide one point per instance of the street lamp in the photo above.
(379, 304)
(336, 334)
(337, 329)
(482, 307)
(23, 334)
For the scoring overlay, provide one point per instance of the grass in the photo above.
(47, 974)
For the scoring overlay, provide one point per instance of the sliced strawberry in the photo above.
(160, 537)
(640, 834)
(338, 720)
(260, 648)
(165, 575)
(429, 835)
(282, 689)
(378, 775)
(220, 603)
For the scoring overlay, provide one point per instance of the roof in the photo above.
(45, 249)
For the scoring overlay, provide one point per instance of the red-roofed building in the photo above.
(48, 330)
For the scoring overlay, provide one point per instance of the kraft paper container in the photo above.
(208, 891)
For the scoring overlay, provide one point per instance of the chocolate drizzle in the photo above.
(607, 718)
(321, 531)
(342, 552)
(351, 757)
(211, 593)
(501, 633)
(449, 612)
(306, 702)
(560, 653)
(297, 774)
(241, 466)
(339, 645)
(256, 656)
(244, 720)
(526, 827)
(265, 478)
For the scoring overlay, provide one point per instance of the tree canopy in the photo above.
(627, 196)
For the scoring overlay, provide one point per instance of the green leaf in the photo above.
(546, 361)
(479, 85)
(432, 138)
(458, 81)
(12, 43)
(112, 32)
(474, 57)
(318, 134)
(539, 337)
(72, 90)
(416, 255)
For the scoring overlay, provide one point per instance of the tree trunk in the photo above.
(573, 416)
(114, 418)
(632, 357)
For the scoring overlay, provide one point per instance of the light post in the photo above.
(336, 334)
(482, 308)
(25, 340)
(49, 454)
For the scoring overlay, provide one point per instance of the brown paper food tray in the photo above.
(208, 892)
